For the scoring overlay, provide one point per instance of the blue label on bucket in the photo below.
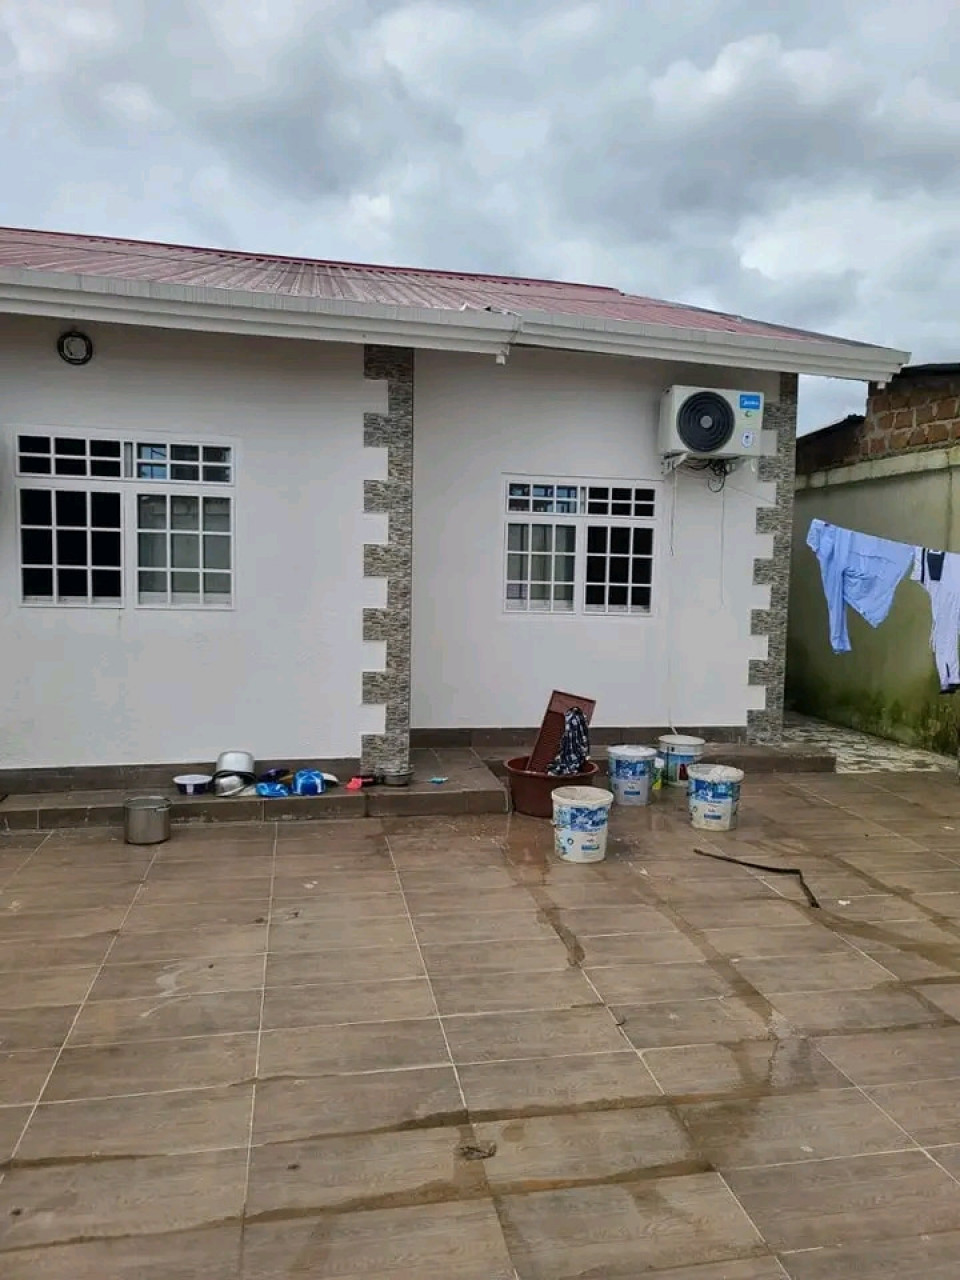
(575, 818)
(631, 768)
(714, 792)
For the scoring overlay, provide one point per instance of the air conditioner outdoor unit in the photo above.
(698, 422)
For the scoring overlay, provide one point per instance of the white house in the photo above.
(309, 507)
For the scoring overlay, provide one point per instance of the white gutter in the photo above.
(79, 298)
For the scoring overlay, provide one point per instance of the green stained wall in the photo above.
(888, 684)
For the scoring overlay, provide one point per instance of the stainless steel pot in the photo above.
(235, 762)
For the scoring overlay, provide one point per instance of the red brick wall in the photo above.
(911, 413)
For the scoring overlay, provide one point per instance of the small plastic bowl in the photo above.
(193, 784)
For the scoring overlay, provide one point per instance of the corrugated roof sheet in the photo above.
(103, 256)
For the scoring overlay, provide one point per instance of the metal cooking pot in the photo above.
(235, 762)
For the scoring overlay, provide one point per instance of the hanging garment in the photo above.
(574, 745)
(938, 572)
(858, 570)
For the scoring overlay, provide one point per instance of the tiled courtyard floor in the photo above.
(426, 1050)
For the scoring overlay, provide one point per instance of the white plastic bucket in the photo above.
(631, 772)
(714, 796)
(679, 752)
(580, 816)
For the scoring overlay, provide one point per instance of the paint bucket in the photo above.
(714, 796)
(631, 771)
(580, 816)
(679, 752)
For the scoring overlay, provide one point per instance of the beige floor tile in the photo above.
(12, 1120)
(491, 1037)
(117, 1198)
(638, 948)
(490, 993)
(193, 889)
(535, 1152)
(830, 1202)
(195, 915)
(945, 996)
(636, 983)
(894, 1057)
(67, 952)
(149, 1124)
(618, 1232)
(360, 1171)
(749, 914)
(178, 977)
(792, 1127)
(513, 956)
(46, 926)
(69, 897)
(166, 1017)
(337, 1002)
(99, 1071)
(720, 1020)
(930, 1112)
(542, 1085)
(288, 933)
(22, 1074)
(311, 908)
(461, 897)
(835, 971)
(316, 1107)
(825, 1012)
(923, 1258)
(41, 1027)
(210, 1253)
(749, 943)
(949, 1157)
(59, 986)
(750, 1067)
(455, 1241)
(362, 964)
(591, 921)
(482, 926)
(371, 1046)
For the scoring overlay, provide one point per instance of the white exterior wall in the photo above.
(280, 674)
(561, 415)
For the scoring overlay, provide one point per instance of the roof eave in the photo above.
(121, 301)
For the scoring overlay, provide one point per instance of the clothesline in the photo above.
(863, 571)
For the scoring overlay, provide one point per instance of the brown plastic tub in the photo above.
(532, 792)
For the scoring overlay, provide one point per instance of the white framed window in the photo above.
(104, 521)
(579, 546)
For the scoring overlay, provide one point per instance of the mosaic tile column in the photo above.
(767, 725)
(392, 560)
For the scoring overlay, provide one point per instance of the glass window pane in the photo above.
(595, 596)
(563, 596)
(565, 538)
(71, 508)
(216, 475)
(105, 448)
(105, 510)
(216, 515)
(152, 550)
(105, 550)
(642, 571)
(216, 552)
(514, 490)
(38, 583)
(151, 471)
(73, 448)
(596, 569)
(185, 472)
(105, 468)
(216, 453)
(152, 451)
(517, 568)
(152, 582)
(36, 506)
(72, 584)
(620, 509)
(217, 585)
(517, 537)
(619, 569)
(34, 444)
(186, 453)
(516, 591)
(106, 584)
(184, 513)
(620, 542)
(35, 466)
(621, 495)
(541, 537)
(643, 542)
(518, 504)
(70, 466)
(617, 597)
(152, 511)
(596, 540)
(541, 568)
(640, 597)
(185, 551)
(36, 546)
(563, 569)
(540, 595)
(183, 584)
(71, 546)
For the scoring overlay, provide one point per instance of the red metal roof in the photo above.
(53, 251)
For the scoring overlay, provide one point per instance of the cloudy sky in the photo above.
(797, 161)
